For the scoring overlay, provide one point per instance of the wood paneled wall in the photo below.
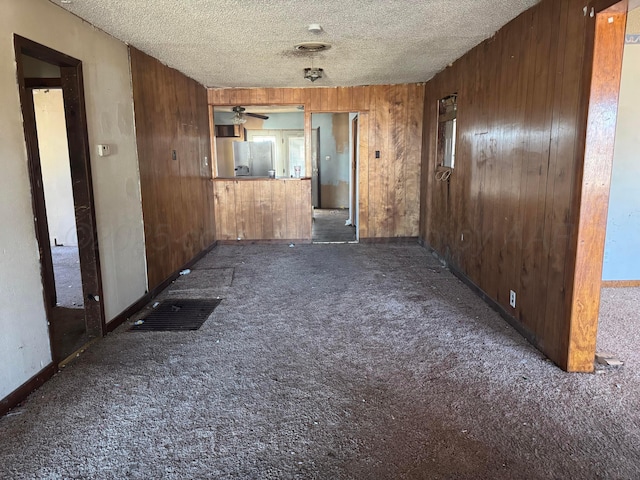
(263, 209)
(171, 114)
(390, 122)
(506, 217)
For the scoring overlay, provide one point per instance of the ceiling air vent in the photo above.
(312, 47)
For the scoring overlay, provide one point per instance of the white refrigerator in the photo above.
(252, 159)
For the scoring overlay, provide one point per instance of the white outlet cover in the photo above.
(512, 298)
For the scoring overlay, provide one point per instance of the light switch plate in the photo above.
(104, 150)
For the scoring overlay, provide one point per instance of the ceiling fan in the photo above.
(241, 115)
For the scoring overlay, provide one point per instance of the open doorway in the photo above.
(603, 66)
(334, 162)
(620, 295)
(51, 93)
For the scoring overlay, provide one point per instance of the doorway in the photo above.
(55, 127)
(603, 66)
(334, 162)
(620, 294)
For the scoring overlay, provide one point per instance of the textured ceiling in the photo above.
(249, 43)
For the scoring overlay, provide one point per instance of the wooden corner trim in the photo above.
(620, 283)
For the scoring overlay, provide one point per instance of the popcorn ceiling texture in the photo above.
(239, 43)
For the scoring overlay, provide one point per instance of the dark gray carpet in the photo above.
(328, 362)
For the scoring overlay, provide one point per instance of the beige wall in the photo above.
(56, 171)
(633, 22)
(24, 343)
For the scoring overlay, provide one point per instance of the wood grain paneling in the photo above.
(263, 209)
(390, 122)
(171, 114)
(507, 216)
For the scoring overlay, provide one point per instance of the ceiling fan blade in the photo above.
(256, 115)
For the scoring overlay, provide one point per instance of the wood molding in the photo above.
(24, 390)
(43, 82)
(390, 240)
(128, 312)
(620, 283)
(610, 6)
(299, 241)
(603, 64)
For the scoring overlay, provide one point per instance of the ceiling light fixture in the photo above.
(315, 28)
(238, 118)
(313, 74)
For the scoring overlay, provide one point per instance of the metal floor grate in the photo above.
(177, 315)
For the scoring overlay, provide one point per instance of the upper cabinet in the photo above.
(227, 130)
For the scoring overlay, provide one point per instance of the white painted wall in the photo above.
(56, 171)
(24, 343)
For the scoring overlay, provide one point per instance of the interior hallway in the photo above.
(329, 225)
(68, 320)
(66, 268)
(328, 362)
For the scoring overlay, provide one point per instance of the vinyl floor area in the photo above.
(329, 225)
(332, 362)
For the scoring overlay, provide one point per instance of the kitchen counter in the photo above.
(248, 178)
(263, 209)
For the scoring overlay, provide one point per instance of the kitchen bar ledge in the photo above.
(263, 209)
(253, 179)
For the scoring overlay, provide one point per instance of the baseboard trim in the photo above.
(510, 319)
(128, 312)
(620, 283)
(279, 241)
(392, 240)
(24, 390)
(35, 382)
(150, 295)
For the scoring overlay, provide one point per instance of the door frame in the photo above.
(602, 76)
(72, 85)
(353, 215)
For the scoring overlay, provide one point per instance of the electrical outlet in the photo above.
(512, 298)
